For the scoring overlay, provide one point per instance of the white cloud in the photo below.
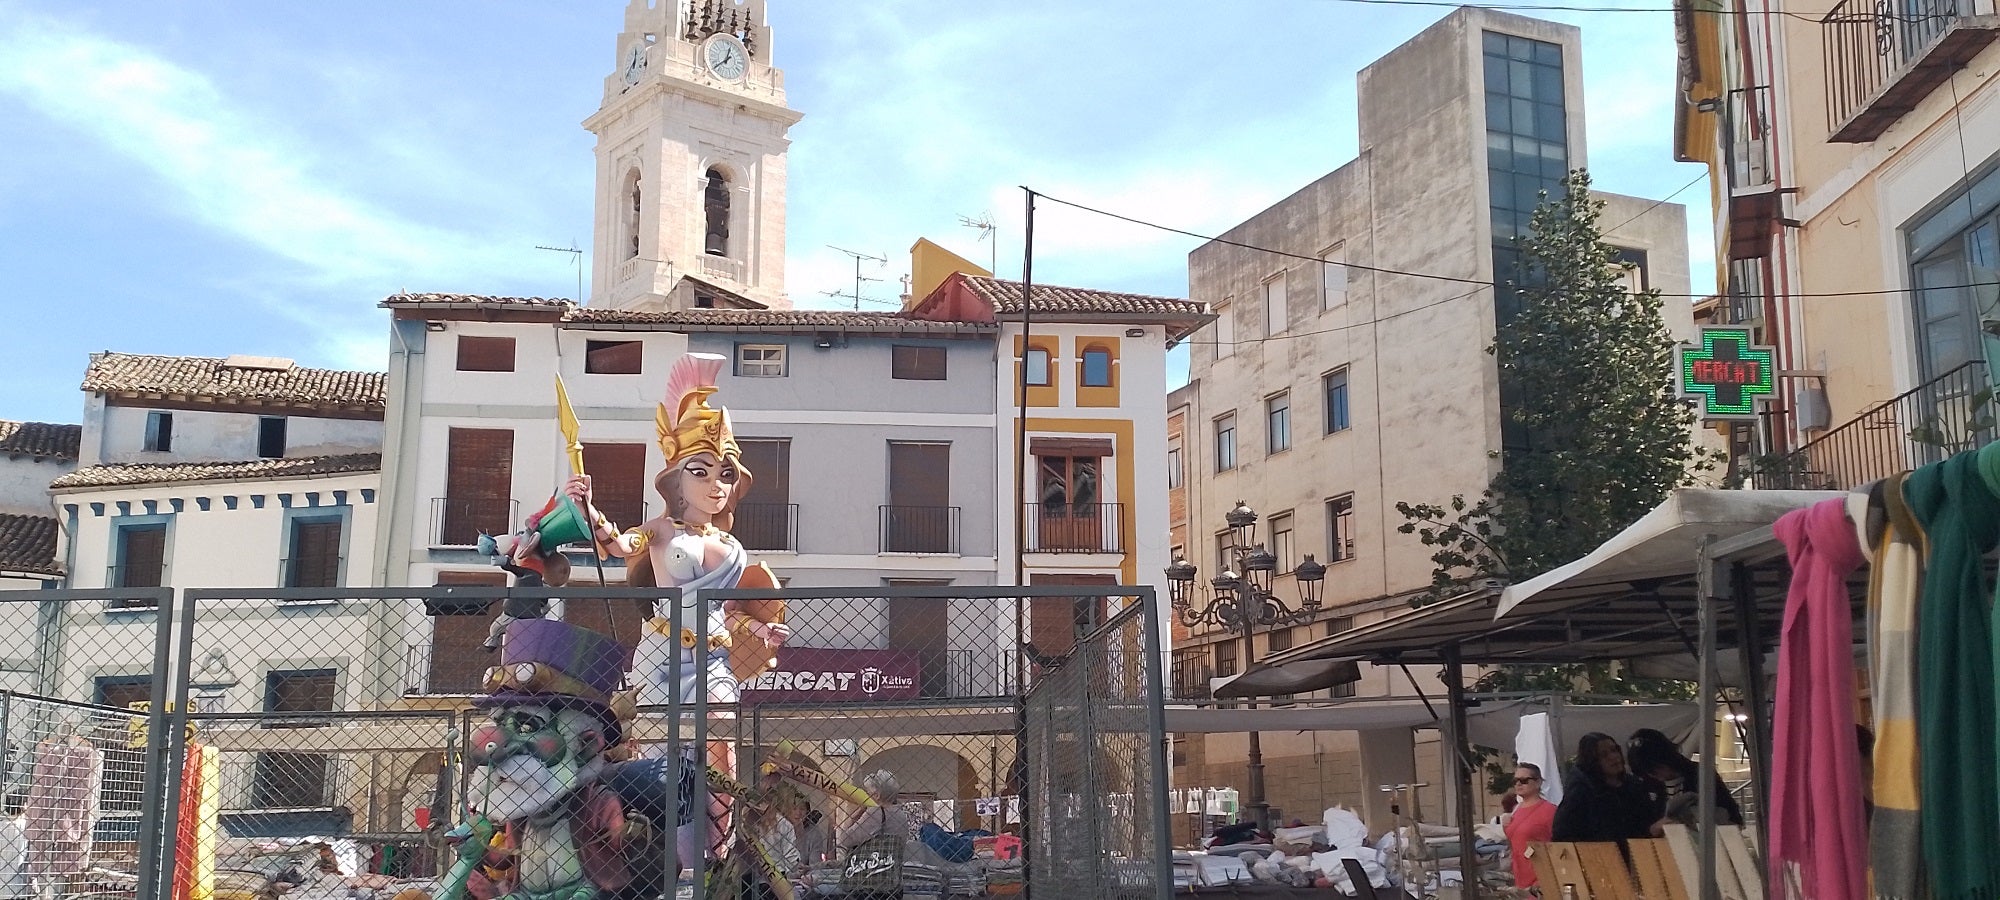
(230, 170)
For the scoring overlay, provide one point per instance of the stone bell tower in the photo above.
(691, 140)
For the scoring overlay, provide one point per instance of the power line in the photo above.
(1658, 203)
(1452, 278)
(1557, 7)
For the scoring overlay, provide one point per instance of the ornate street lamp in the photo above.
(1242, 604)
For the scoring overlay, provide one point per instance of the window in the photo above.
(478, 487)
(1096, 367)
(271, 437)
(159, 431)
(613, 357)
(760, 360)
(1335, 385)
(1281, 541)
(313, 557)
(1225, 443)
(1332, 278)
(1631, 268)
(1225, 659)
(142, 556)
(1339, 624)
(1279, 639)
(458, 659)
(1340, 528)
(633, 196)
(618, 485)
(1225, 331)
(919, 517)
(123, 786)
(1274, 305)
(715, 205)
(1278, 419)
(1038, 367)
(1068, 516)
(290, 779)
(910, 363)
(1527, 144)
(1952, 250)
(764, 518)
(485, 354)
(1225, 560)
(1174, 474)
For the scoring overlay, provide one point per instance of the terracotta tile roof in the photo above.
(254, 379)
(40, 439)
(1006, 299)
(125, 474)
(760, 318)
(28, 544)
(395, 301)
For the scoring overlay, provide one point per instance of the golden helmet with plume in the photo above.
(686, 423)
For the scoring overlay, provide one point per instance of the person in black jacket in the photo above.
(1602, 801)
(1676, 779)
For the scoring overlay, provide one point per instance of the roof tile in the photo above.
(40, 439)
(232, 379)
(28, 544)
(1006, 299)
(125, 474)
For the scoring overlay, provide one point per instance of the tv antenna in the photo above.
(578, 254)
(987, 231)
(880, 261)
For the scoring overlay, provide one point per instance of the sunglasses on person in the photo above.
(1528, 780)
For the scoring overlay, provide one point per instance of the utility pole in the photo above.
(578, 254)
(858, 277)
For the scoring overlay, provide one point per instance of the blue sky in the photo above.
(249, 177)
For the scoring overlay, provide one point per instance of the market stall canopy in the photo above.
(1632, 597)
(1304, 676)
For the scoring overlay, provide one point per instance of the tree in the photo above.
(1596, 434)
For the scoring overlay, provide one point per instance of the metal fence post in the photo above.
(1156, 741)
(161, 792)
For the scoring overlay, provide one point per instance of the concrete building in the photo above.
(1853, 148)
(1348, 370)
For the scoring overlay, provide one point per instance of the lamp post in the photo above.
(1242, 603)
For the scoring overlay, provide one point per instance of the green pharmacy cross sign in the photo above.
(1728, 373)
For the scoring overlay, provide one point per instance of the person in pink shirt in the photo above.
(1533, 820)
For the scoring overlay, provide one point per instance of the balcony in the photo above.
(1075, 527)
(459, 523)
(1755, 208)
(1947, 415)
(919, 529)
(1882, 58)
(722, 266)
(1192, 676)
(429, 674)
(767, 526)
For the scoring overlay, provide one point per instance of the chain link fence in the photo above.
(313, 743)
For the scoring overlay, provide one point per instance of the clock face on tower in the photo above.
(726, 57)
(635, 64)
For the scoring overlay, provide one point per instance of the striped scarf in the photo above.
(1817, 823)
(1955, 728)
(1896, 551)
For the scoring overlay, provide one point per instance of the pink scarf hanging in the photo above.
(1817, 820)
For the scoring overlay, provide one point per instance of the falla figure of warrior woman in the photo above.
(689, 547)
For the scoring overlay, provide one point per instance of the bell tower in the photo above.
(691, 140)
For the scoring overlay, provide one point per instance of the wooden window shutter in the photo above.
(618, 481)
(458, 631)
(613, 357)
(917, 363)
(485, 354)
(478, 482)
(770, 465)
(145, 557)
(315, 554)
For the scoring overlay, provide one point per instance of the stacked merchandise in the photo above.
(1005, 877)
(965, 880)
(922, 882)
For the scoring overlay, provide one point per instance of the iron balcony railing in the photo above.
(1949, 414)
(767, 526)
(459, 523)
(1869, 46)
(1192, 676)
(919, 529)
(1075, 527)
